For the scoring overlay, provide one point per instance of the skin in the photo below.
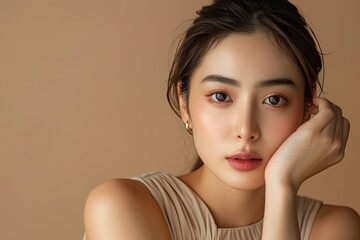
(294, 142)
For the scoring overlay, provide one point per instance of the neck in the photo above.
(230, 207)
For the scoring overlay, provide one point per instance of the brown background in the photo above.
(82, 100)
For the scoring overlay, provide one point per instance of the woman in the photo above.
(244, 83)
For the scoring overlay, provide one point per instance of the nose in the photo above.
(247, 124)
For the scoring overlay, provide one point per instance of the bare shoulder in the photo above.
(335, 223)
(123, 209)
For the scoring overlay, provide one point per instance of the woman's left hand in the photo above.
(316, 145)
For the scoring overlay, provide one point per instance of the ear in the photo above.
(184, 113)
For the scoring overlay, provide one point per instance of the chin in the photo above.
(246, 181)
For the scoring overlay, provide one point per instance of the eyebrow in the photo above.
(221, 79)
(261, 84)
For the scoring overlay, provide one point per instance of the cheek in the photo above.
(207, 121)
(276, 131)
(210, 126)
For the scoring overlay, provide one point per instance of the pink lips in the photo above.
(244, 161)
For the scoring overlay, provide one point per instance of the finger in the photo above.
(345, 133)
(339, 123)
(323, 113)
(333, 129)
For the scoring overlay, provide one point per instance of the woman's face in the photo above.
(245, 99)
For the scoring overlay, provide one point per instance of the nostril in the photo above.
(251, 137)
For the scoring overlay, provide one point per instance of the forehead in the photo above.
(249, 58)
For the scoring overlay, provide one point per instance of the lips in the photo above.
(244, 161)
(244, 156)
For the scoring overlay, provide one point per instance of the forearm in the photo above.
(280, 217)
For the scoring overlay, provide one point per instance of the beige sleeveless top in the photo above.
(189, 218)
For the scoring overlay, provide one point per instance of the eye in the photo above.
(275, 101)
(220, 97)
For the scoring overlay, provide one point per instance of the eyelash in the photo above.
(212, 97)
(282, 99)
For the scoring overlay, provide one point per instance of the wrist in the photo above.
(281, 186)
(280, 211)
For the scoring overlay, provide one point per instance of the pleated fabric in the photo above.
(188, 217)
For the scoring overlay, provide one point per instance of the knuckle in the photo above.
(337, 146)
(327, 141)
(329, 112)
(346, 123)
(338, 157)
(339, 110)
(308, 134)
(341, 156)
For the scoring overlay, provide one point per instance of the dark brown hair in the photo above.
(280, 19)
